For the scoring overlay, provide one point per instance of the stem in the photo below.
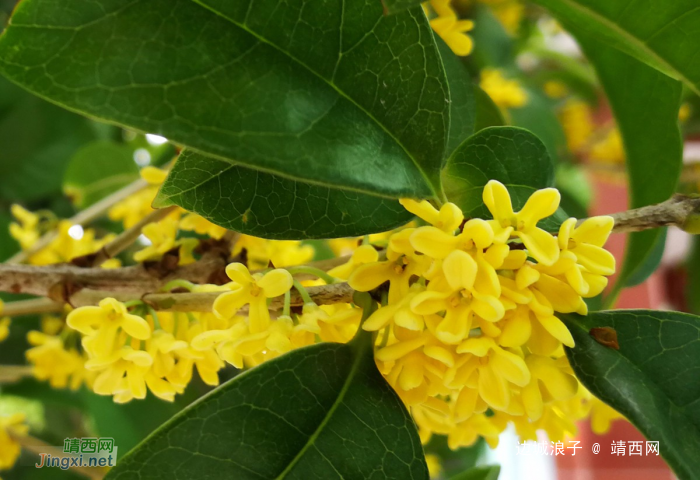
(82, 218)
(303, 292)
(680, 211)
(312, 271)
(14, 373)
(31, 307)
(178, 283)
(287, 303)
(128, 237)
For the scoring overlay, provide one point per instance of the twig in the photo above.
(30, 307)
(682, 211)
(126, 238)
(202, 302)
(84, 217)
(14, 373)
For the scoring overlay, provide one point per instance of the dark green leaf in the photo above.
(339, 96)
(395, 6)
(322, 411)
(487, 113)
(511, 155)
(270, 206)
(98, 169)
(663, 34)
(651, 379)
(479, 473)
(462, 102)
(645, 103)
(37, 141)
(692, 290)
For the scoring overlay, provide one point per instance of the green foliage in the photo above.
(664, 35)
(511, 155)
(271, 206)
(479, 473)
(395, 6)
(645, 103)
(322, 411)
(651, 379)
(363, 108)
(487, 113)
(38, 139)
(98, 169)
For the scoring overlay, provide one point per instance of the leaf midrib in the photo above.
(586, 11)
(327, 418)
(330, 83)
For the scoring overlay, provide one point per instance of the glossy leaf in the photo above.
(322, 411)
(338, 96)
(98, 169)
(645, 103)
(665, 35)
(651, 379)
(270, 206)
(511, 155)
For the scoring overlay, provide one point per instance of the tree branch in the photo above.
(682, 211)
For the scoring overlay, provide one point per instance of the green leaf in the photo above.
(487, 112)
(37, 139)
(645, 103)
(479, 473)
(270, 206)
(322, 411)
(663, 34)
(511, 155)
(395, 6)
(98, 169)
(462, 101)
(339, 96)
(651, 379)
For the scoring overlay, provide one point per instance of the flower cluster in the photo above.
(469, 325)
(505, 92)
(467, 332)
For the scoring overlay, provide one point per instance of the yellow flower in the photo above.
(506, 93)
(577, 122)
(26, 232)
(541, 204)
(101, 325)
(4, 327)
(363, 254)
(202, 226)
(11, 426)
(51, 361)
(610, 149)
(450, 28)
(555, 89)
(253, 290)
(163, 237)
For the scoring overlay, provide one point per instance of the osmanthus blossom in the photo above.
(467, 324)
